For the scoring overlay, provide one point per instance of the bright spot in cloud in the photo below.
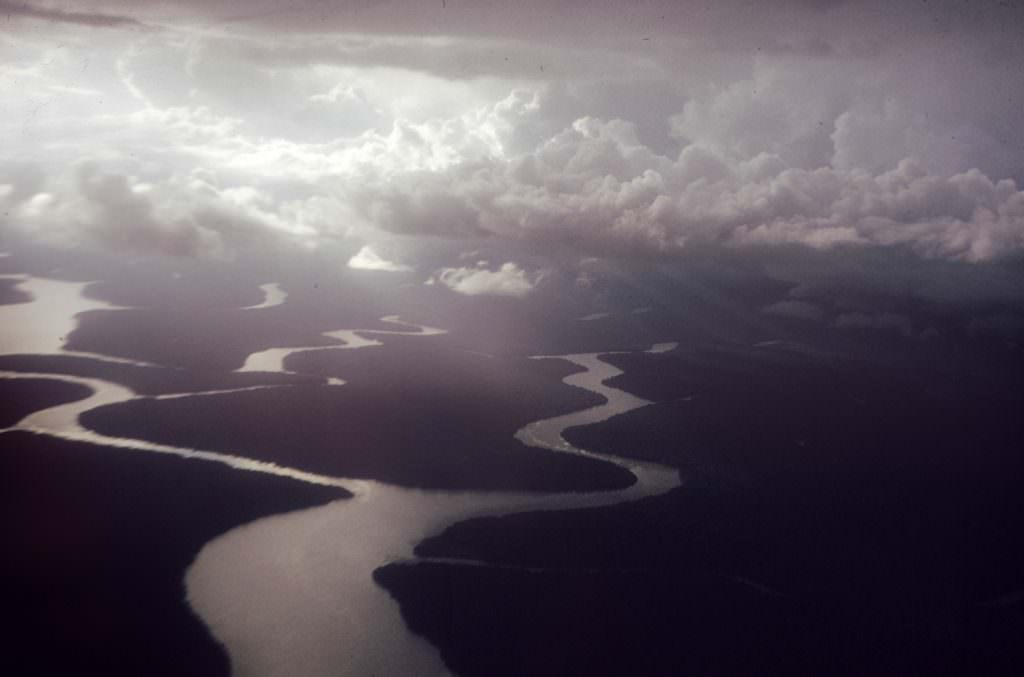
(368, 259)
(508, 280)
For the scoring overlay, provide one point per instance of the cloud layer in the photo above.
(794, 129)
(594, 184)
(56, 14)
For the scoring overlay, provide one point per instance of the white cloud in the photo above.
(508, 280)
(596, 184)
(178, 216)
(368, 259)
(264, 136)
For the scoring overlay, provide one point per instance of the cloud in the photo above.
(463, 58)
(93, 19)
(786, 27)
(595, 184)
(368, 259)
(798, 310)
(508, 280)
(180, 216)
(778, 132)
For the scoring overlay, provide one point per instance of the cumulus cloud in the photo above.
(794, 129)
(598, 185)
(508, 280)
(594, 184)
(181, 216)
(368, 259)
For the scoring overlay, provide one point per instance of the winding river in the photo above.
(293, 594)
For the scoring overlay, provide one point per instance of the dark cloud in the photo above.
(463, 58)
(726, 23)
(122, 219)
(48, 13)
(20, 180)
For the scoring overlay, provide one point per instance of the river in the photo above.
(293, 594)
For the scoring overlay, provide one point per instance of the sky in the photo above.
(216, 127)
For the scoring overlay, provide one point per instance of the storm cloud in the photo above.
(625, 132)
(48, 13)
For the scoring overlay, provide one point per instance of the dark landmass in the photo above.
(199, 283)
(766, 419)
(149, 380)
(22, 396)
(425, 419)
(97, 541)
(505, 327)
(10, 294)
(884, 504)
(717, 296)
(916, 367)
(851, 504)
(430, 362)
(198, 321)
(550, 325)
(900, 596)
(217, 340)
(182, 284)
(141, 281)
(496, 622)
(221, 338)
